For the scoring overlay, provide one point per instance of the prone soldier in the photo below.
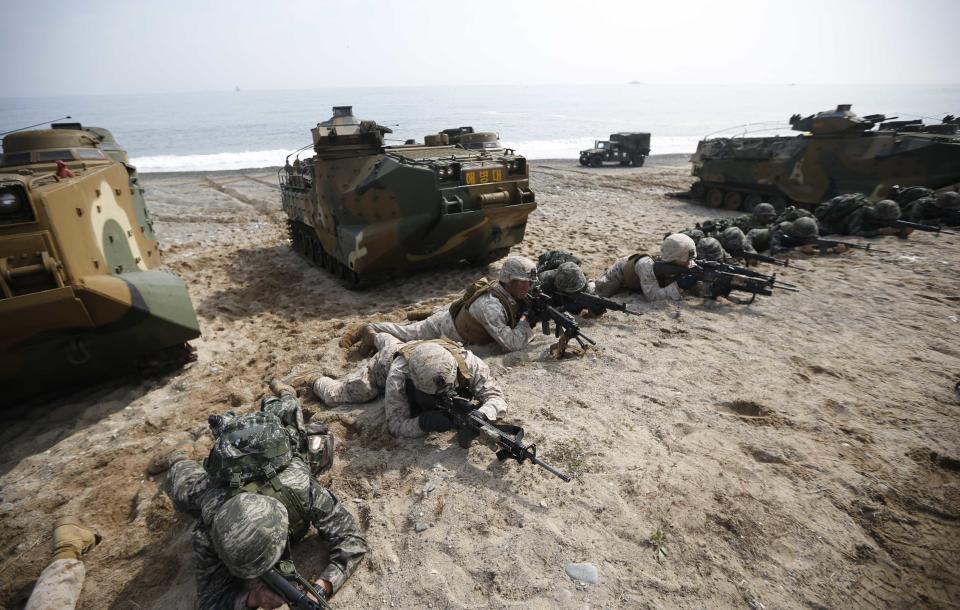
(256, 495)
(487, 312)
(411, 376)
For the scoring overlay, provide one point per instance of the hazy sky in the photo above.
(99, 46)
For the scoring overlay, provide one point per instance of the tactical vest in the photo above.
(470, 330)
(630, 278)
(421, 401)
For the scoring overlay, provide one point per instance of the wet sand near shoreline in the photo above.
(800, 452)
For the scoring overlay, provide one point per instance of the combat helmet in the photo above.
(801, 228)
(678, 249)
(518, 268)
(569, 278)
(433, 369)
(710, 249)
(949, 200)
(887, 209)
(249, 533)
(765, 212)
(733, 239)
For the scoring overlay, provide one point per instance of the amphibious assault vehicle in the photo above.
(362, 210)
(81, 292)
(838, 152)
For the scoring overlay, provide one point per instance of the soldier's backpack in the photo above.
(251, 450)
(552, 259)
(834, 213)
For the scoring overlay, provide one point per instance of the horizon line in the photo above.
(239, 90)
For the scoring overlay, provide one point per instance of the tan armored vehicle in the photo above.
(81, 292)
(363, 210)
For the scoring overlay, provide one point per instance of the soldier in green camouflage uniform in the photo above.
(709, 249)
(735, 242)
(764, 215)
(239, 536)
(860, 218)
(943, 208)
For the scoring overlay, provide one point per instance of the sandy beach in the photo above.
(801, 452)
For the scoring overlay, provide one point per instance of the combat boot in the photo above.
(368, 346)
(72, 540)
(353, 335)
(279, 388)
(163, 461)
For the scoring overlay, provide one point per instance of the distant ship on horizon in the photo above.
(635, 82)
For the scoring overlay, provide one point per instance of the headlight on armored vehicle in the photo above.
(14, 206)
(10, 203)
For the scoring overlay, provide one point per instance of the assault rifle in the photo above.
(585, 300)
(763, 258)
(823, 244)
(281, 579)
(565, 328)
(719, 283)
(906, 224)
(736, 269)
(507, 440)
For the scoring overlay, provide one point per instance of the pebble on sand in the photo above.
(582, 572)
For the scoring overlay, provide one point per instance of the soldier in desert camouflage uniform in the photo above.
(487, 313)
(60, 583)
(411, 375)
(637, 273)
(241, 532)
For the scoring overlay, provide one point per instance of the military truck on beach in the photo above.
(363, 210)
(625, 148)
(837, 152)
(82, 294)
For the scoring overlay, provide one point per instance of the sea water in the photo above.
(246, 129)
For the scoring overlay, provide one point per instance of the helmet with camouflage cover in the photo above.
(569, 278)
(249, 533)
(710, 249)
(733, 239)
(801, 228)
(887, 209)
(518, 268)
(432, 368)
(765, 212)
(678, 248)
(696, 234)
(949, 200)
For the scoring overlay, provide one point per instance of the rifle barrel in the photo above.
(562, 475)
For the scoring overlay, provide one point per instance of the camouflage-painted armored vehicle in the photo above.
(362, 210)
(81, 292)
(466, 137)
(625, 148)
(839, 152)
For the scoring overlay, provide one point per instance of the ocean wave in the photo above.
(564, 148)
(212, 162)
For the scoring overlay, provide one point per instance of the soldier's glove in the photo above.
(72, 540)
(686, 282)
(435, 421)
(466, 434)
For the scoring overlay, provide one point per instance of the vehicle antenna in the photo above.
(37, 125)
